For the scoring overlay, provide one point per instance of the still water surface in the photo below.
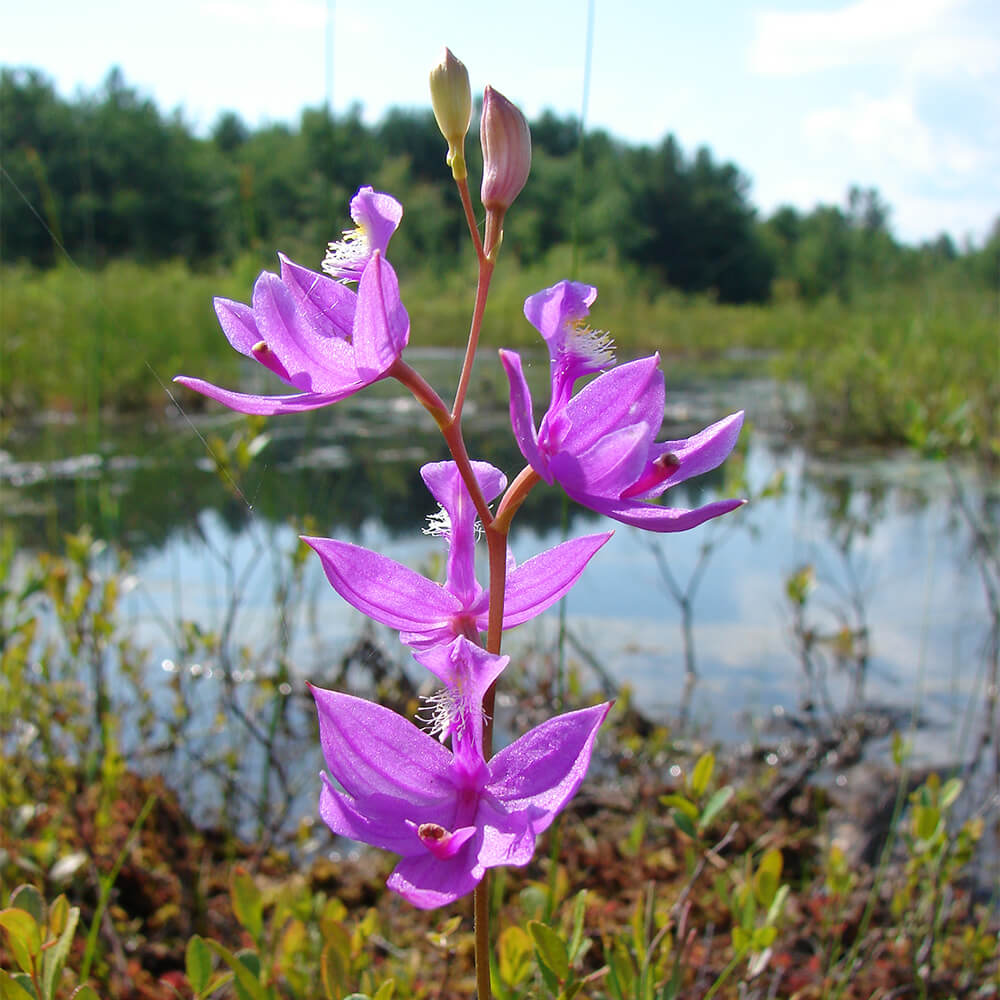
(886, 543)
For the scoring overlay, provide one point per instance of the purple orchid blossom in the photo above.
(427, 613)
(450, 815)
(316, 334)
(377, 216)
(599, 445)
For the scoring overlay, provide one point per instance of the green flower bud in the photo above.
(451, 99)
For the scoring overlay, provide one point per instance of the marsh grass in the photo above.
(914, 363)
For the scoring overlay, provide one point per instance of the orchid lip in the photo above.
(443, 844)
(659, 471)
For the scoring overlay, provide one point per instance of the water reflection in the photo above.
(870, 581)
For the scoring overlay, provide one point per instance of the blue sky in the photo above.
(806, 96)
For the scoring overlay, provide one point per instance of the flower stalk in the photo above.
(439, 797)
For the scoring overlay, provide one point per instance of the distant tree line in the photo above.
(108, 175)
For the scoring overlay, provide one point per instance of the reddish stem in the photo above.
(470, 216)
(482, 291)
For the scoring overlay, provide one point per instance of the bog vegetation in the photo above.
(894, 342)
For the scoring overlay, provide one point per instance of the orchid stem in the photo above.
(470, 216)
(482, 291)
(516, 494)
(481, 912)
(496, 541)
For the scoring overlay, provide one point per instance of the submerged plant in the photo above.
(442, 800)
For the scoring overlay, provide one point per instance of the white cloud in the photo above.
(788, 43)
(955, 55)
(883, 131)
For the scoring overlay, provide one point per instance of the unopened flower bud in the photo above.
(451, 99)
(506, 141)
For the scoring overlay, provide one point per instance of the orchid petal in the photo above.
(463, 665)
(243, 402)
(549, 310)
(240, 327)
(609, 466)
(427, 882)
(653, 517)
(314, 362)
(521, 416)
(384, 589)
(541, 771)
(508, 838)
(378, 215)
(372, 751)
(329, 305)
(629, 394)
(541, 581)
(238, 324)
(366, 823)
(703, 451)
(448, 487)
(381, 323)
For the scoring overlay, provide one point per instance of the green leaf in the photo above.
(291, 945)
(198, 964)
(633, 841)
(386, 990)
(702, 774)
(248, 904)
(622, 970)
(334, 964)
(719, 800)
(54, 958)
(768, 877)
(571, 990)
(579, 913)
(247, 978)
(515, 949)
(250, 961)
(11, 988)
(551, 948)
(679, 802)
(926, 821)
(764, 937)
(23, 937)
(29, 899)
(741, 940)
(777, 907)
(59, 915)
(900, 749)
(684, 823)
(637, 924)
(950, 791)
(83, 993)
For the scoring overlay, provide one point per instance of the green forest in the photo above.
(113, 177)
(154, 219)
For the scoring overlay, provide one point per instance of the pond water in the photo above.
(885, 551)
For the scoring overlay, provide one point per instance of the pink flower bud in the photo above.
(506, 142)
(506, 150)
(451, 99)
